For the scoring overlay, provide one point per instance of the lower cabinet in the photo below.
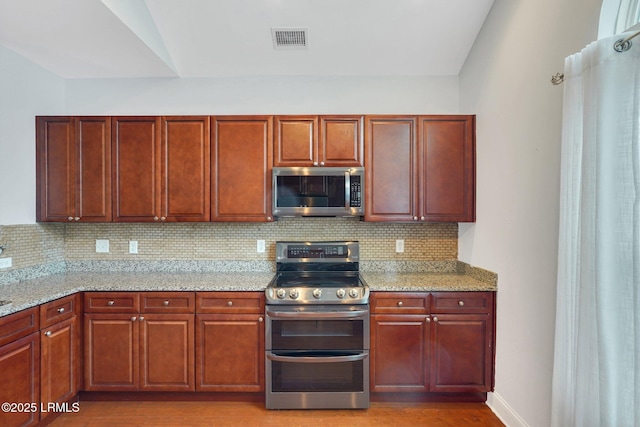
(138, 350)
(432, 342)
(230, 341)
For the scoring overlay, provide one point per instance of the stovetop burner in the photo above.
(317, 273)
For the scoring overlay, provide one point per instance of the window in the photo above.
(617, 16)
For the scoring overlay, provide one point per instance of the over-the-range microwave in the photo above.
(318, 191)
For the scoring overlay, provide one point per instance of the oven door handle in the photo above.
(319, 359)
(317, 315)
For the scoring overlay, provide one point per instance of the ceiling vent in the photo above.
(289, 38)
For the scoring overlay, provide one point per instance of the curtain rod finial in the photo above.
(557, 79)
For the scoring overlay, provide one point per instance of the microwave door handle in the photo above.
(347, 190)
(319, 359)
(297, 315)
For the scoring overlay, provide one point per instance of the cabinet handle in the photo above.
(321, 163)
(133, 318)
(230, 303)
(435, 318)
(165, 303)
(427, 319)
(76, 218)
(268, 218)
(141, 318)
(48, 333)
(315, 163)
(400, 304)
(260, 319)
(415, 218)
(422, 218)
(61, 310)
(155, 218)
(70, 218)
(111, 302)
(461, 303)
(162, 218)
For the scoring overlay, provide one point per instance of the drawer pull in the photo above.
(260, 319)
(61, 310)
(48, 333)
(111, 302)
(435, 318)
(428, 320)
(133, 318)
(165, 303)
(461, 303)
(142, 318)
(400, 304)
(229, 303)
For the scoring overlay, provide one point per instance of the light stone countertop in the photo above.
(32, 292)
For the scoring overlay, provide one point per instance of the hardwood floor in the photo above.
(222, 414)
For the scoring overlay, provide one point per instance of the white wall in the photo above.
(263, 95)
(506, 82)
(26, 90)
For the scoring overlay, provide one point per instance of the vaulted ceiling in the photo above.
(218, 38)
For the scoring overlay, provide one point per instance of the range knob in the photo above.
(340, 293)
(293, 293)
(353, 293)
(281, 293)
(317, 293)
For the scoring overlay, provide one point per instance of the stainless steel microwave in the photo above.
(318, 191)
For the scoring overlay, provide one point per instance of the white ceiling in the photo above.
(215, 38)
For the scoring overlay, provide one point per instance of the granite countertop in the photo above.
(32, 292)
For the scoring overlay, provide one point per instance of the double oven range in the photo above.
(317, 328)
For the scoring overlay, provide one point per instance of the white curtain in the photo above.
(596, 375)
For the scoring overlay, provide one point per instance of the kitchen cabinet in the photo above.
(20, 367)
(438, 342)
(230, 341)
(139, 341)
(241, 162)
(420, 168)
(318, 141)
(73, 173)
(60, 357)
(161, 169)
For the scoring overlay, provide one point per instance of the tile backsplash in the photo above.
(39, 244)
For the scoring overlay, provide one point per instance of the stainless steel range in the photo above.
(317, 328)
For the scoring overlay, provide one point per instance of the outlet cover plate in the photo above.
(133, 246)
(102, 246)
(5, 263)
(399, 245)
(260, 246)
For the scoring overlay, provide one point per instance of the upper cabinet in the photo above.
(318, 141)
(73, 157)
(241, 162)
(420, 168)
(161, 169)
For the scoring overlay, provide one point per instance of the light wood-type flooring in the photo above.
(222, 414)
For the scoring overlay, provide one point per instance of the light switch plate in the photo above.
(133, 246)
(399, 245)
(261, 246)
(5, 263)
(102, 246)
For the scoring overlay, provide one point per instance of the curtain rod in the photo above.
(621, 45)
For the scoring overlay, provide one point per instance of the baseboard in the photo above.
(506, 413)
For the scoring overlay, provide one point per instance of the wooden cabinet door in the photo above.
(111, 355)
(447, 183)
(399, 353)
(296, 141)
(241, 159)
(136, 169)
(230, 352)
(59, 361)
(167, 352)
(391, 167)
(20, 380)
(341, 141)
(461, 354)
(186, 172)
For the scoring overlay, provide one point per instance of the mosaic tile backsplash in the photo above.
(45, 244)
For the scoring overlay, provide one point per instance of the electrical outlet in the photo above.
(102, 246)
(260, 246)
(399, 245)
(133, 246)
(5, 263)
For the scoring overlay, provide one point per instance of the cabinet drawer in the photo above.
(399, 302)
(18, 325)
(58, 310)
(168, 302)
(111, 302)
(462, 302)
(230, 302)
